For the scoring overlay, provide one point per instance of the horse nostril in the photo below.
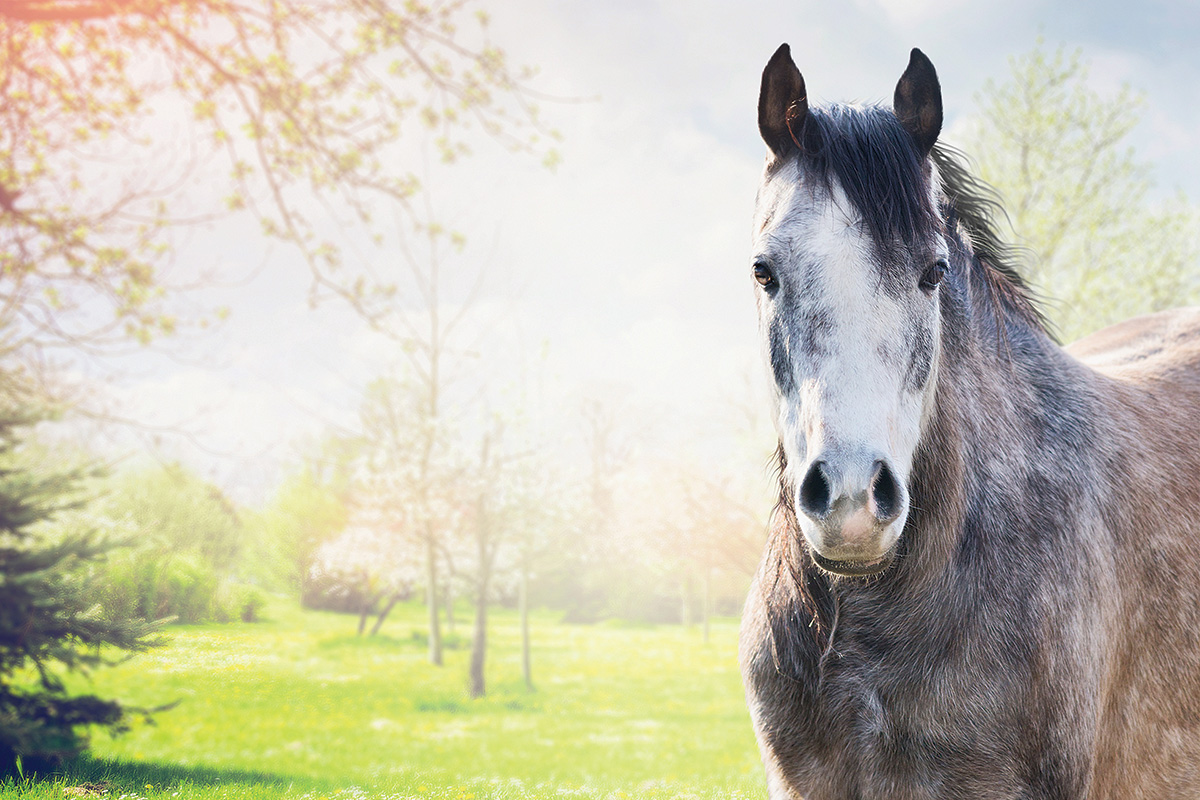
(885, 493)
(815, 491)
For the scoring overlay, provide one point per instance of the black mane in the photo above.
(877, 164)
(978, 208)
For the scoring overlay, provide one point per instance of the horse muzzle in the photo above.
(851, 512)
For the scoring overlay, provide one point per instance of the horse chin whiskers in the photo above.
(865, 570)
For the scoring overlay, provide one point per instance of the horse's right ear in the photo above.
(782, 102)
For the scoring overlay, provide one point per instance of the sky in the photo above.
(624, 274)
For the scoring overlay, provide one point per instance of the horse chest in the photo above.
(882, 725)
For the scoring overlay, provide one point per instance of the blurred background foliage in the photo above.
(1102, 245)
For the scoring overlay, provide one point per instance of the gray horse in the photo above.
(983, 574)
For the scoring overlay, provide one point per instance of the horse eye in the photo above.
(762, 274)
(933, 276)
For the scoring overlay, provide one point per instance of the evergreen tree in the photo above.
(48, 625)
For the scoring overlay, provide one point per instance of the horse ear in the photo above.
(918, 101)
(782, 102)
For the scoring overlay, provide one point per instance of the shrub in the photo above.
(184, 541)
(143, 583)
(250, 604)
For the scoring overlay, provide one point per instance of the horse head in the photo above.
(849, 258)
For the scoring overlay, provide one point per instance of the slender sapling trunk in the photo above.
(523, 603)
(431, 596)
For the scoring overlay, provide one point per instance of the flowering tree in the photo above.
(293, 110)
(372, 565)
(408, 481)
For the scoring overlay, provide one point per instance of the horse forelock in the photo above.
(877, 164)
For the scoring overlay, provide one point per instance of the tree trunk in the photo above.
(368, 604)
(395, 598)
(449, 603)
(482, 535)
(685, 599)
(523, 604)
(706, 608)
(431, 597)
(479, 640)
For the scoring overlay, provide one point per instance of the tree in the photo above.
(511, 522)
(311, 106)
(544, 525)
(487, 529)
(308, 510)
(368, 566)
(174, 510)
(1061, 156)
(48, 622)
(599, 554)
(720, 530)
(409, 481)
(307, 104)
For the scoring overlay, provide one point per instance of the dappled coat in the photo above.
(983, 575)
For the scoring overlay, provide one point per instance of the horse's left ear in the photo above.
(918, 101)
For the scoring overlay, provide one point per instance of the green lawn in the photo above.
(300, 707)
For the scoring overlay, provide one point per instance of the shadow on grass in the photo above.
(130, 777)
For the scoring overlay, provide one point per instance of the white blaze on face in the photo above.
(854, 360)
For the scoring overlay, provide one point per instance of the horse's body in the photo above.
(1033, 630)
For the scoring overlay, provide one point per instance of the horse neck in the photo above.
(997, 371)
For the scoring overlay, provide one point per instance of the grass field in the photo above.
(299, 707)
